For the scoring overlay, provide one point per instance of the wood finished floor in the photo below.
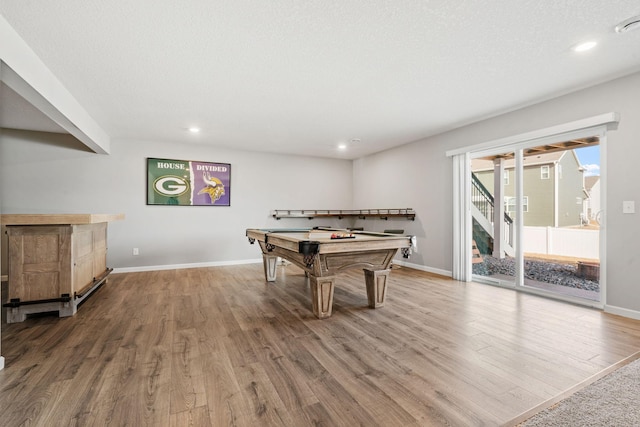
(220, 347)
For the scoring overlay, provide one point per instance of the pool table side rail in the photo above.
(296, 240)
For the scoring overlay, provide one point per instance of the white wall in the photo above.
(419, 175)
(414, 176)
(49, 173)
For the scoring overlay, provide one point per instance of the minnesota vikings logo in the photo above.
(214, 188)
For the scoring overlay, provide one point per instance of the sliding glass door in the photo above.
(532, 227)
(561, 240)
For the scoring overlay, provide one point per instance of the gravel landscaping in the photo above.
(541, 271)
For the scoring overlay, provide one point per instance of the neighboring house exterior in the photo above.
(553, 187)
(592, 204)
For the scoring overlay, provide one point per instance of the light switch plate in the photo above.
(628, 207)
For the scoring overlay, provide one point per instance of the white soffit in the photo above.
(18, 113)
(27, 76)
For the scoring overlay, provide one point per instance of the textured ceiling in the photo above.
(303, 76)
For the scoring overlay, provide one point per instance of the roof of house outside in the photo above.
(590, 181)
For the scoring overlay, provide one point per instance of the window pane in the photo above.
(544, 172)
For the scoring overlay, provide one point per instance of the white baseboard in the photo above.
(433, 270)
(1, 363)
(181, 266)
(625, 312)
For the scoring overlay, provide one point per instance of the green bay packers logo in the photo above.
(170, 185)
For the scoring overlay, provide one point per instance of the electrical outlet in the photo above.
(136, 251)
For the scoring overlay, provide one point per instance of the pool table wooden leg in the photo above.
(322, 295)
(376, 281)
(270, 263)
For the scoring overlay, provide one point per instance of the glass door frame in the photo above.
(462, 220)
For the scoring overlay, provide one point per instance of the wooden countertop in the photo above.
(58, 219)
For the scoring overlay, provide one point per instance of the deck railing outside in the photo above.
(483, 200)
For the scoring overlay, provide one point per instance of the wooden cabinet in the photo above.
(55, 262)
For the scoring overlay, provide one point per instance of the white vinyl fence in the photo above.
(574, 242)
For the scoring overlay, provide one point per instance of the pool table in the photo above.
(322, 257)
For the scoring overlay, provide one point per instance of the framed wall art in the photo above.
(188, 183)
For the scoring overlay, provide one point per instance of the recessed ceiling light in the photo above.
(194, 129)
(628, 25)
(583, 47)
(342, 147)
